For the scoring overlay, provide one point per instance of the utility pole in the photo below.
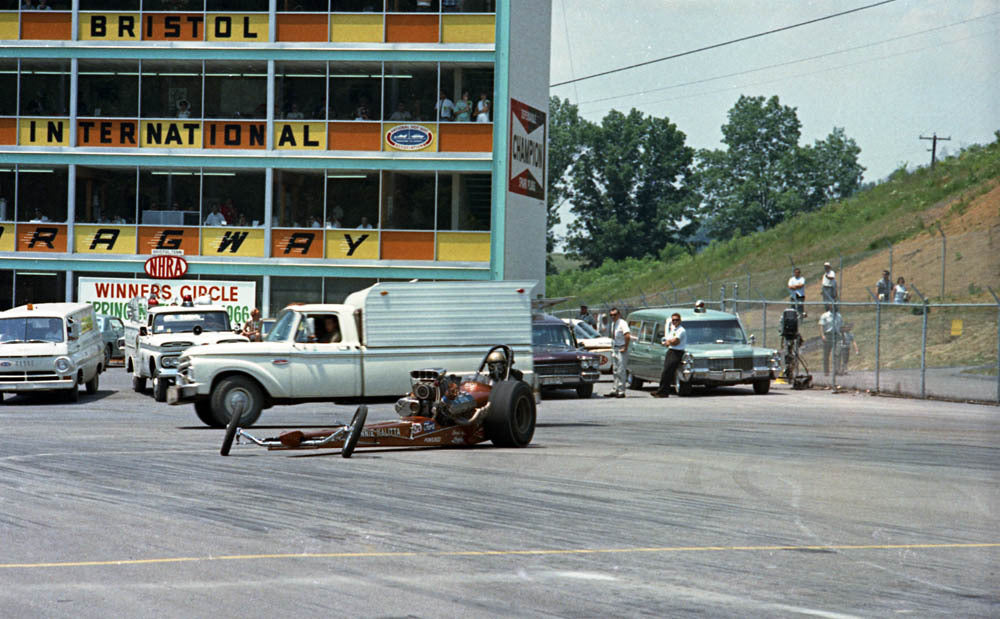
(934, 140)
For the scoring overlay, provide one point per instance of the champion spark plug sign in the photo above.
(527, 150)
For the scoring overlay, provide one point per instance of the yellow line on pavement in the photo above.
(485, 553)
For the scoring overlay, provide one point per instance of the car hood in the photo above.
(242, 349)
(592, 343)
(557, 354)
(724, 351)
(206, 337)
(34, 349)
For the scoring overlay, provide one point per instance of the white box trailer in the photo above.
(364, 347)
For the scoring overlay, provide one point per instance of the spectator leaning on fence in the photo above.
(900, 293)
(830, 324)
(797, 290)
(829, 284)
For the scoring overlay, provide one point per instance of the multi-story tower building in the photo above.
(306, 147)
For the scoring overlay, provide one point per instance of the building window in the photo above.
(39, 287)
(109, 5)
(288, 290)
(298, 199)
(169, 197)
(356, 91)
(41, 193)
(408, 200)
(108, 87)
(45, 87)
(173, 5)
(8, 87)
(235, 89)
(464, 201)
(336, 289)
(410, 91)
(171, 88)
(410, 6)
(106, 195)
(300, 91)
(7, 176)
(357, 6)
(239, 194)
(352, 198)
(237, 5)
(463, 84)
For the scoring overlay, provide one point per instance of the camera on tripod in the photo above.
(789, 324)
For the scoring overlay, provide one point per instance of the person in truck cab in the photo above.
(329, 332)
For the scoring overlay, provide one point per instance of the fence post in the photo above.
(890, 261)
(944, 255)
(722, 297)
(764, 323)
(736, 295)
(923, 348)
(997, 299)
(878, 341)
(842, 284)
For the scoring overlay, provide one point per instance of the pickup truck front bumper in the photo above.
(182, 394)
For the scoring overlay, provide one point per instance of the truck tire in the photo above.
(93, 384)
(632, 382)
(585, 391)
(107, 355)
(160, 389)
(237, 389)
(73, 394)
(511, 418)
(357, 424)
(762, 386)
(682, 387)
(138, 384)
(203, 408)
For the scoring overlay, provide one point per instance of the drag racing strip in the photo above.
(501, 553)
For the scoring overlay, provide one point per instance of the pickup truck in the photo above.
(154, 345)
(365, 347)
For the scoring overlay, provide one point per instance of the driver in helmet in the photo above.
(497, 363)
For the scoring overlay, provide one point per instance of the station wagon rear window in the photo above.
(18, 330)
(187, 321)
(551, 335)
(714, 332)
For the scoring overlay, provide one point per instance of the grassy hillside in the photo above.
(960, 196)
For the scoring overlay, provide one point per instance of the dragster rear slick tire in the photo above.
(511, 419)
(357, 424)
(231, 428)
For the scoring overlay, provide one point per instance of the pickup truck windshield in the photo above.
(714, 332)
(15, 330)
(187, 321)
(282, 327)
(551, 335)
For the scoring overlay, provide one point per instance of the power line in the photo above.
(785, 64)
(717, 45)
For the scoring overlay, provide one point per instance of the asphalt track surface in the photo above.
(725, 504)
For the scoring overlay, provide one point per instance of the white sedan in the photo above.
(592, 341)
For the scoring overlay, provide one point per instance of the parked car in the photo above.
(559, 360)
(113, 333)
(591, 340)
(717, 353)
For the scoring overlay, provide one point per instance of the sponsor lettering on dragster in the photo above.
(377, 432)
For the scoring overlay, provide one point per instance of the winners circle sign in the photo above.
(527, 150)
(166, 267)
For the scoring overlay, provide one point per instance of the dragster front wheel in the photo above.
(357, 423)
(231, 428)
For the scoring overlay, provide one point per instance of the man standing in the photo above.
(797, 290)
(585, 316)
(675, 341)
(830, 324)
(620, 339)
(829, 284)
(883, 289)
(251, 328)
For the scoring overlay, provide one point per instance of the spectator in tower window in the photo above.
(183, 109)
(365, 225)
(463, 109)
(401, 112)
(43, 5)
(27, 5)
(314, 222)
(215, 218)
(338, 212)
(445, 107)
(42, 217)
(228, 210)
(242, 221)
(333, 222)
(294, 113)
(483, 109)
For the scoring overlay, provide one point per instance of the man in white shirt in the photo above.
(829, 284)
(676, 341)
(797, 290)
(215, 218)
(830, 324)
(621, 338)
(445, 107)
(364, 224)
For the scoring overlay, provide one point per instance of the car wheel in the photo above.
(761, 387)
(511, 419)
(203, 408)
(237, 391)
(632, 382)
(682, 387)
(107, 355)
(93, 384)
(160, 389)
(138, 384)
(73, 395)
(357, 423)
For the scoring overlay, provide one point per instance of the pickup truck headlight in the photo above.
(169, 362)
(64, 364)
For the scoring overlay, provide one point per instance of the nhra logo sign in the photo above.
(409, 137)
(166, 267)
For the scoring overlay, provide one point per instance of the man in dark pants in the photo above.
(675, 340)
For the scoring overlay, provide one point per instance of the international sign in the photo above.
(166, 267)
(527, 150)
(409, 137)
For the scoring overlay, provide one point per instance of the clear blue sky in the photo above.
(887, 75)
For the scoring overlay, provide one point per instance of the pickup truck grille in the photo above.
(557, 369)
(178, 344)
(23, 377)
(745, 363)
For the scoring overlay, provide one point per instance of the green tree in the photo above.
(629, 188)
(565, 127)
(763, 176)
